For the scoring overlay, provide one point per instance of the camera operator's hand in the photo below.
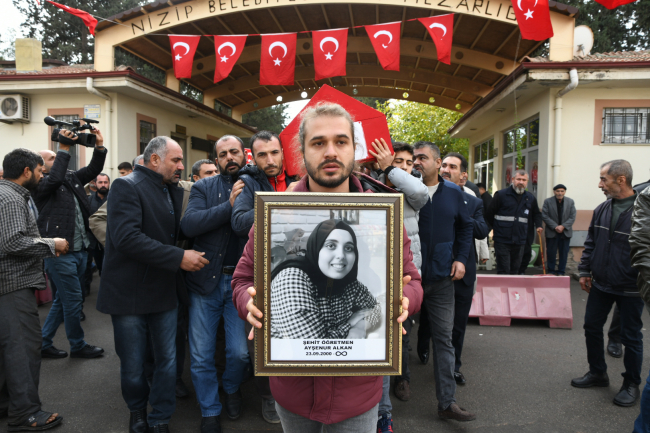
(69, 135)
(100, 138)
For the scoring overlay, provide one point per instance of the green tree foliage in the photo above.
(63, 35)
(143, 68)
(269, 119)
(411, 121)
(8, 45)
(371, 102)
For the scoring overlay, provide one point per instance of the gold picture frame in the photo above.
(282, 224)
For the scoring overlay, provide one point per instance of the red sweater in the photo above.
(324, 399)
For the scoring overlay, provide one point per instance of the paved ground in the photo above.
(518, 381)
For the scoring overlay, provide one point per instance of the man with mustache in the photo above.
(208, 221)
(143, 283)
(606, 273)
(266, 175)
(510, 210)
(345, 404)
(21, 272)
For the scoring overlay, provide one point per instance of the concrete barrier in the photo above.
(500, 298)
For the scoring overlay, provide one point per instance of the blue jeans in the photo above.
(599, 304)
(205, 313)
(553, 245)
(67, 273)
(385, 405)
(130, 334)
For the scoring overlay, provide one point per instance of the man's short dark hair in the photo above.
(196, 167)
(618, 167)
(125, 166)
(399, 146)
(263, 135)
(463, 160)
(227, 136)
(103, 174)
(434, 149)
(15, 162)
(481, 185)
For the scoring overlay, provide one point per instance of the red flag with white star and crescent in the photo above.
(227, 49)
(89, 20)
(534, 19)
(183, 49)
(330, 51)
(441, 30)
(385, 39)
(611, 4)
(278, 60)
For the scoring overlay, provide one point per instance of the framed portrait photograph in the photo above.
(328, 274)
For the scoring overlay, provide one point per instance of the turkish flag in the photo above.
(385, 39)
(534, 19)
(330, 51)
(183, 49)
(228, 49)
(89, 20)
(441, 29)
(611, 4)
(278, 60)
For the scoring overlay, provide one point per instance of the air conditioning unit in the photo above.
(14, 108)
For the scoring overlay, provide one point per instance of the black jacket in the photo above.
(141, 272)
(480, 231)
(243, 212)
(55, 196)
(509, 217)
(606, 257)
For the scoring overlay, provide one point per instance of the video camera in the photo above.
(84, 139)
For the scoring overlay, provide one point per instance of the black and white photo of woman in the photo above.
(318, 296)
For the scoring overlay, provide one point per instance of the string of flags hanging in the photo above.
(278, 56)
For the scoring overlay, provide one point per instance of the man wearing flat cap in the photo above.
(559, 214)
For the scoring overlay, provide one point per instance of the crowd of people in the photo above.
(176, 265)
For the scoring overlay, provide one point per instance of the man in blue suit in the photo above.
(454, 168)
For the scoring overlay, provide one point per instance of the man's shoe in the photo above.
(423, 354)
(269, 413)
(385, 424)
(459, 378)
(628, 395)
(181, 389)
(138, 421)
(614, 349)
(87, 352)
(456, 412)
(233, 404)
(53, 352)
(402, 390)
(590, 379)
(160, 428)
(211, 424)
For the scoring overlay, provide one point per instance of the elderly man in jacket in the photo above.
(559, 214)
(64, 209)
(306, 403)
(454, 169)
(142, 282)
(606, 273)
(208, 221)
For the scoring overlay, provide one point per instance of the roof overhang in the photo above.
(531, 78)
(127, 83)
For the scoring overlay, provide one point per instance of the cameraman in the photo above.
(63, 212)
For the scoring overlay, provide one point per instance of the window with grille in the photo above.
(147, 132)
(626, 125)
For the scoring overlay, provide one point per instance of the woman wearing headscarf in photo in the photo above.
(318, 295)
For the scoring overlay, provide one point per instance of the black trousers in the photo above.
(406, 372)
(614, 332)
(508, 257)
(525, 258)
(20, 355)
(463, 303)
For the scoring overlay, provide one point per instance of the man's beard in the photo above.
(174, 178)
(32, 183)
(103, 190)
(224, 170)
(326, 181)
(519, 190)
(272, 168)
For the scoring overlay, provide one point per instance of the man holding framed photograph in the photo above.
(305, 403)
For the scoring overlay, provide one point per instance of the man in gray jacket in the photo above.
(416, 195)
(559, 214)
